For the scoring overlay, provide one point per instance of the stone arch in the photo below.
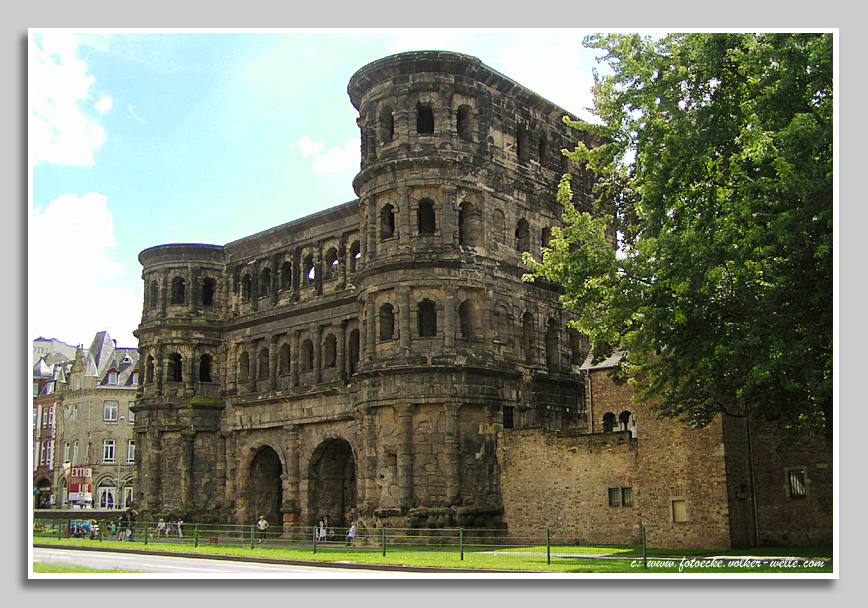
(263, 490)
(179, 287)
(332, 487)
(386, 124)
(209, 289)
(265, 282)
(469, 224)
(553, 353)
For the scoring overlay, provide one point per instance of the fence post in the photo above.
(314, 540)
(644, 550)
(548, 546)
(146, 533)
(196, 535)
(60, 529)
(383, 534)
(461, 541)
(252, 534)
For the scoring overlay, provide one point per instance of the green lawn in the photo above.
(528, 559)
(68, 569)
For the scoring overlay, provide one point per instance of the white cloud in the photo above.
(59, 87)
(332, 160)
(70, 243)
(132, 113)
(104, 104)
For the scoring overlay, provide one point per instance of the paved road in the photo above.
(165, 564)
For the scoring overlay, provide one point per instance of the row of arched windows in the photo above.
(470, 233)
(265, 282)
(424, 121)
(178, 292)
(622, 422)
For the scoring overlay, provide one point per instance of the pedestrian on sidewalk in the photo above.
(261, 527)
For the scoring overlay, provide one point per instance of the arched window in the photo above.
(309, 268)
(265, 282)
(426, 218)
(155, 294)
(355, 256)
(173, 371)
(178, 289)
(553, 354)
(244, 366)
(387, 222)
(283, 360)
(387, 125)
(465, 122)
(527, 330)
(427, 319)
(608, 422)
(546, 237)
(263, 364)
(354, 351)
(501, 316)
(543, 149)
(209, 287)
(468, 318)
(286, 275)
(521, 139)
(331, 263)
(424, 118)
(330, 351)
(469, 225)
(522, 235)
(306, 355)
(246, 287)
(387, 322)
(205, 368)
(625, 421)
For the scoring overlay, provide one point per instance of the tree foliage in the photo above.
(716, 173)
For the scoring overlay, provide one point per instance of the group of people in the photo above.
(164, 528)
(126, 526)
(325, 532)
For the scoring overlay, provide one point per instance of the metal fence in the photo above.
(460, 546)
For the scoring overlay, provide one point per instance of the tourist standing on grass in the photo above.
(261, 527)
(351, 533)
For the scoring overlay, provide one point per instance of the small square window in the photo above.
(620, 497)
(614, 497)
(508, 416)
(798, 488)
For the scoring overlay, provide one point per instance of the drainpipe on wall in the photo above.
(590, 404)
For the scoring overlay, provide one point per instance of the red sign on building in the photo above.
(80, 487)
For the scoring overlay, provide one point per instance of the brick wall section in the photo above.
(561, 479)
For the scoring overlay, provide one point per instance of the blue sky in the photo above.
(143, 138)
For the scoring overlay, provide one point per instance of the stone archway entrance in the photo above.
(264, 487)
(332, 483)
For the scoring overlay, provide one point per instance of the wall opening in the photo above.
(178, 290)
(465, 122)
(427, 319)
(469, 225)
(387, 222)
(387, 125)
(424, 118)
(205, 368)
(426, 217)
(332, 484)
(265, 489)
(387, 322)
(209, 286)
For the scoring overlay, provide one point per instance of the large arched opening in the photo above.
(332, 483)
(264, 487)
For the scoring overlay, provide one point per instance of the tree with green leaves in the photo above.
(716, 178)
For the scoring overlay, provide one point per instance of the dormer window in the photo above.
(113, 376)
(136, 378)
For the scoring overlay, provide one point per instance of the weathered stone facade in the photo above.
(365, 361)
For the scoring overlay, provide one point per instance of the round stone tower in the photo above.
(458, 179)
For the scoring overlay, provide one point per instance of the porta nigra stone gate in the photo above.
(365, 362)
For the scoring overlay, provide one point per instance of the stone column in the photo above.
(404, 418)
(404, 219)
(371, 320)
(189, 361)
(363, 234)
(158, 370)
(293, 358)
(452, 456)
(164, 292)
(449, 317)
(186, 468)
(153, 483)
(272, 362)
(404, 317)
(449, 221)
(340, 357)
(372, 495)
(291, 508)
(317, 354)
(371, 230)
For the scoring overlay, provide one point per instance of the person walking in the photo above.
(351, 533)
(261, 527)
(321, 531)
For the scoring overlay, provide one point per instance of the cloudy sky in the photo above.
(143, 138)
